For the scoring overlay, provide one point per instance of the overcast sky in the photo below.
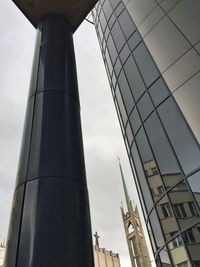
(102, 137)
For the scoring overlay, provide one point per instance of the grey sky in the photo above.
(101, 132)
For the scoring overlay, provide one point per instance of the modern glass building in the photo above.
(151, 51)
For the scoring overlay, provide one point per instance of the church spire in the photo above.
(124, 185)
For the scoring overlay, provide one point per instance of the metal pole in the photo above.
(50, 219)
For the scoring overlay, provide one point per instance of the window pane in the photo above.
(118, 36)
(134, 78)
(183, 141)
(135, 120)
(145, 64)
(126, 23)
(126, 93)
(121, 105)
(161, 148)
(145, 106)
(142, 179)
(194, 182)
(112, 49)
(158, 91)
(134, 40)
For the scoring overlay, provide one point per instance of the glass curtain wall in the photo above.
(163, 150)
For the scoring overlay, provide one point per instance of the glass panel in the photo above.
(194, 182)
(108, 61)
(192, 240)
(103, 21)
(112, 49)
(121, 105)
(125, 52)
(134, 40)
(164, 258)
(184, 206)
(126, 93)
(178, 253)
(126, 23)
(186, 148)
(166, 216)
(134, 78)
(145, 106)
(117, 67)
(118, 36)
(119, 8)
(158, 91)
(146, 64)
(107, 9)
(112, 20)
(143, 146)
(135, 120)
(114, 3)
(160, 145)
(144, 188)
(157, 232)
(129, 134)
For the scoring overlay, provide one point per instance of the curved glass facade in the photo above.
(151, 53)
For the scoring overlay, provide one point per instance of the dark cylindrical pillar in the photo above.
(50, 219)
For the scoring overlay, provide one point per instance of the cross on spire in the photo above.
(96, 239)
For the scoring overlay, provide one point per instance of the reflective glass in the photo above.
(107, 9)
(114, 3)
(194, 182)
(117, 67)
(184, 206)
(160, 145)
(119, 8)
(156, 228)
(134, 40)
(125, 52)
(145, 64)
(154, 180)
(183, 141)
(134, 78)
(142, 179)
(108, 61)
(164, 258)
(135, 120)
(145, 106)
(143, 147)
(118, 36)
(112, 49)
(129, 134)
(102, 20)
(126, 23)
(126, 93)
(192, 240)
(166, 216)
(158, 91)
(121, 105)
(178, 253)
(111, 20)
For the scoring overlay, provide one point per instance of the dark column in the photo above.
(50, 220)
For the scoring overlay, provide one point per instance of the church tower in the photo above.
(134, 233)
